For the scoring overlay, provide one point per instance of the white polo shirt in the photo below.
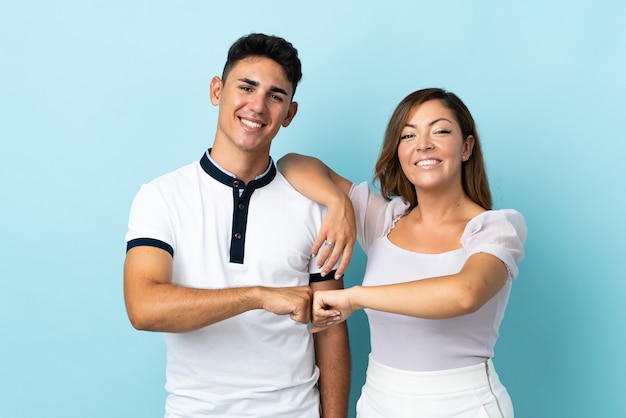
(221, 234)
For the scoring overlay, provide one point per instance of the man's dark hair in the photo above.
(267, 46)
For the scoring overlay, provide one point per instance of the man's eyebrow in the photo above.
(256, 84)
(279, 90)
(248, 81)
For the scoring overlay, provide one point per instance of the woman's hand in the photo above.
(330, 307)
(336, 237)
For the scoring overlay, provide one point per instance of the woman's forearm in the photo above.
(439, 297)
(418, 299)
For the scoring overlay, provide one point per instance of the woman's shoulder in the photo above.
(504, 220)
(501, 233)
(375, 215)
(363, 195)
(364, 190)
(497, 215)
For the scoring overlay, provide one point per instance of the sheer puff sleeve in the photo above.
(375, 215)
(501, 233)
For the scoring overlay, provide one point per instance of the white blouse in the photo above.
(418, 344)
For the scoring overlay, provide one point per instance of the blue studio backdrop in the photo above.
(98, 97)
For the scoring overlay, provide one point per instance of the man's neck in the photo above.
(245, 165)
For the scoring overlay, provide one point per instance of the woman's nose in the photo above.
(424, 143)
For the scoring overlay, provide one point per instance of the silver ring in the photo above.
(329, 244)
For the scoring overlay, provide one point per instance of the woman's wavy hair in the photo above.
(388, 171)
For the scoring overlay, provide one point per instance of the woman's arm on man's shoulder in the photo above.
(315, 180)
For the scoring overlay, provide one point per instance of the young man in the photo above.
(219, 259)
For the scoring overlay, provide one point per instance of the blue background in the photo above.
(97, 97)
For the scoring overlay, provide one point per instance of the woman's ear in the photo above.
(468, 146)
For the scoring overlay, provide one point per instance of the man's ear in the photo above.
(215, 90)
(291, 113)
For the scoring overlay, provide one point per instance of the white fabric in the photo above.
(417, 344)
(468, 392)
(256, 364)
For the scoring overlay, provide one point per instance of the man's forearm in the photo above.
(170, 308)
(155, 304)
(332, 354)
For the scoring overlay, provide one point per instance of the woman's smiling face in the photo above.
(432, 148)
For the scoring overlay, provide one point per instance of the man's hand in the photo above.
(336, 238)
(292, 301)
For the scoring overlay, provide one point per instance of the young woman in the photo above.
(440, 263)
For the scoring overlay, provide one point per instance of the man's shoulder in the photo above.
(182, 174)
(288, 193)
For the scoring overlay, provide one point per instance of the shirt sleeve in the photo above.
(148, 220)
(501, 233)
(375, 216)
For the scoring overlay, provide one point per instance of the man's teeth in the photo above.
(251, 124)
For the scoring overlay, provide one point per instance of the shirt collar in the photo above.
(214, 170)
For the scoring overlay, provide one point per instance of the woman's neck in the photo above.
(438, 208)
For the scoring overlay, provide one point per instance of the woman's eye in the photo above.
(406, 136)
(442, 132)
